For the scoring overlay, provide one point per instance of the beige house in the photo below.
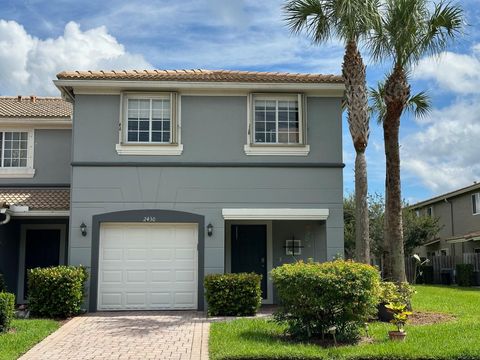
(459, 216)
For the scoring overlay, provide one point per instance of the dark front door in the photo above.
(249, 251)
(42, 249)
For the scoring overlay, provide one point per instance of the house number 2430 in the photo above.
(149, 219)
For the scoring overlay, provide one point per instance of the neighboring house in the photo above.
(177, 174)
(35, 147)
(459, 217)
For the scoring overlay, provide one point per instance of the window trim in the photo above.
(476, 204)
(432, 214)
(300, 149)
(175, 147)
(20, 172)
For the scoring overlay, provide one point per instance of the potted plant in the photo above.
(400, 317)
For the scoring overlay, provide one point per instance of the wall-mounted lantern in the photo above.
(209, 229)
(83, 229)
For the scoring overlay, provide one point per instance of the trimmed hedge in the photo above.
(7, 310)
(318, 296)
(56, 292)
(3, 286)
(233, 294)
(464, 274)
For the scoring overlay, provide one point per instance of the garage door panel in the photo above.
(161, 254)
(148, 266)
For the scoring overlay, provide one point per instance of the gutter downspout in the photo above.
(7, 217)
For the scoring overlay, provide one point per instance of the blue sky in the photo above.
(439, 153)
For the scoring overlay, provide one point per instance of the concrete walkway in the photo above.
(127, 335)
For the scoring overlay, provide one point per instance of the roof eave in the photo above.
(445, 196)
(63, 85)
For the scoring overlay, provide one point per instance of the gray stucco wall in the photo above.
(214, 128)
(51, 161)
(213, 131)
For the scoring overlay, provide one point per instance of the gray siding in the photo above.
(52, 154)
(462, 222)
(214, 129)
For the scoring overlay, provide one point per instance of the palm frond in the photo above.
(419, 104)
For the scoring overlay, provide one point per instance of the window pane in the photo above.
(283, 116)
(260, 137)
(132, 136)
(293, 138)
(166, 136)
(270, 126)
(282, 105)
(270, 116)
(143, 136)
(156, 125)
(259, 126)
(156, 136)
(270, 105)
(144, 125)
(271, 137)
(166, 125)
(133, 125)
(260, 105)
(283, 137)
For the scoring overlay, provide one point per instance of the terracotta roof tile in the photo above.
(200, 75)
(36, 107)
(37, 198)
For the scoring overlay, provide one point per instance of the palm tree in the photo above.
(350, 21)
(418, 104)
(410, 29)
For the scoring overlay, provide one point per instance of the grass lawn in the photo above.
(456, 339)
(25, 334)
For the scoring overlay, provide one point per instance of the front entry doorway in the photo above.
(40, 246)
(249, 251)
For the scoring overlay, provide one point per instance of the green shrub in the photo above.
(233, 294)
(464, 274)
(56, 292)
(396, 293)
(314, 297)
(7, 310)
(3, 286)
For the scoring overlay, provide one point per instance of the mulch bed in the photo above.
(429, 318)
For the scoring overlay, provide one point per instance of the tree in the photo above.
(416, 229)
(419, 105)
(351, 21)
(409, 30)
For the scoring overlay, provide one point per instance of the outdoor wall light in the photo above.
(83, 229)
(209, 229)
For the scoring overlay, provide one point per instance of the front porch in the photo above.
(33, 233)
(262, 239)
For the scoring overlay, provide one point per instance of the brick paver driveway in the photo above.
(127, 335)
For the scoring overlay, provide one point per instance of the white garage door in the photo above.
(147, 266)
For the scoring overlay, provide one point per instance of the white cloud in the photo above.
(444, 155)
(29, 64)
(459, 73)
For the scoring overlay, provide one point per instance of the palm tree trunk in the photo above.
(357, 102)
(397, 92)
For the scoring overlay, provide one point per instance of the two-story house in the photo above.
(459, 217)
(177, 174)
(35, 153)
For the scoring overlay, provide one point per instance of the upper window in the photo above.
(14, 148)
(16, 153)
(276, 125)
(476, 203)
(430, 211)
(149, 119)
(276, 121)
